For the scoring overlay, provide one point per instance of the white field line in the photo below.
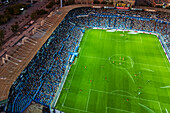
(125, 96)
(96, 58)
(118, 40)
(151, 65)
(73, 73)
(106, 109)
(160, 107)
(123, 91)
(100, 34)
(146, 64)
(132, 62)
(123, 61)
(75, 62)
(88, 100)
(124, 69)
(140, 38)
(165, 87)
(146, 107)
(141, 63)
(77, 109)
(85, 40)
(126, 62)
(69, 85)
(166, 110)
(129, 97)
(129, 75)
(147, 69)
(79, 50)
(119, 110)
(162, 55)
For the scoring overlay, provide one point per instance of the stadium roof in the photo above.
(12, 69)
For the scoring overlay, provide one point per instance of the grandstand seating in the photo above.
(40, 80)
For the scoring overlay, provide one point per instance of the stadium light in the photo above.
(61, 3)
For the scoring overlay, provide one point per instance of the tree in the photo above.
(38, 13)
(4, 19)
(41, 12)
(1, 36)
(15, 9)
(50, 5)
(34, 15)
(14, 27)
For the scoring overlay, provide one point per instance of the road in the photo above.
(23, 18)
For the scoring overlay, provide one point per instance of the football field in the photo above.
(117, 72)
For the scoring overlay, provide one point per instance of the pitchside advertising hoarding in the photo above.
(109, 7)
(124, 6)
(57, 111)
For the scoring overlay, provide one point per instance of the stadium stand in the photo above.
(40, 80)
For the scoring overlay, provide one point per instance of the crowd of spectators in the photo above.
(102, 11)
(121, 19)
(40, 80)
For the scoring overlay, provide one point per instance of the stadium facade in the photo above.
(42, 80)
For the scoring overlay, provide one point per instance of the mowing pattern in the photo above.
(117, 72)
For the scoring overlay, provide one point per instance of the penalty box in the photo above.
(121, 101)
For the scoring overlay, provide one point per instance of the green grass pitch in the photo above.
(117, 72)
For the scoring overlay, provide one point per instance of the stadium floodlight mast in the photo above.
(61, 3)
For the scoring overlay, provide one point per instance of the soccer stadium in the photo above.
(93, 59)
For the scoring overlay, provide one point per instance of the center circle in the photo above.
(121, 61)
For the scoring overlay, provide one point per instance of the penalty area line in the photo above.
(129, 75)
(88, 100)
(118, 110)
(160, 107)
(147, 69)
(69, 85)
(79, 49)
(75, 62)
(146, 107)
(124, 95)
(95, 58)
(166, 110)
(100, 34)
(140, 38)
(76, 109)
(165, 87)
(123, 91)
(112, 93)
